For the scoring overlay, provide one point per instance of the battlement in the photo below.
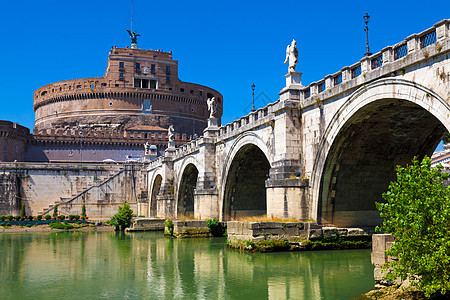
(116, 51)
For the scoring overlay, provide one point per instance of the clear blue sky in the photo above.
(227, 45)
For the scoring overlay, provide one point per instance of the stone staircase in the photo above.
(82, 189)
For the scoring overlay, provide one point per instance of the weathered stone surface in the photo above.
(356, 232)
(315, 234)
(329, 232)
(146, 224)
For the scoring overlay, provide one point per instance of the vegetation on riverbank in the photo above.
(122, 219)
(399, 293)
(417, 213)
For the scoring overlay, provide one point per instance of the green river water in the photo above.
(146, 265)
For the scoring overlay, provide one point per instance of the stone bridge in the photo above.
(324, 152)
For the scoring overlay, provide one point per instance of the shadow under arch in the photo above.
(377, 128)
(185, 199)
(156, 186)
(244, 191)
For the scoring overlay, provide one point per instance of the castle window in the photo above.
(120, 76)
(79, 86)
(192, 92)
(182, 90)
(152, 69)
(121, 65)
(92, 85)
(201, 93)
(103, 84)
(110, 104)
(43, 93)
(167, 70)
(167, 79)
(138, 66)
(144, 83)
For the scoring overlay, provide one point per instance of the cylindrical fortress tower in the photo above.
(140, 91)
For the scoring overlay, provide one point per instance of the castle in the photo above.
(111, 117)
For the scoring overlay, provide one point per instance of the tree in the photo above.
(122, 219)
(83, 211)
(55, 211)
(417, 213)
(22, 210)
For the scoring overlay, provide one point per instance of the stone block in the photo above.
(342, 231)
(254, 225)
(315, 234)
(266, 225)
(356, 232)
(329, 232)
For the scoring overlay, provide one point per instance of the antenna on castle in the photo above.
(132, 33)
(131, 15)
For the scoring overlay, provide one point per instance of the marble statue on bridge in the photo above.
(171, 133)
(212, 107)
(292, 56)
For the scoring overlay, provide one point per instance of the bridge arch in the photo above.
(187, 183)
(381, 125)
(243, 178)
(155, 186)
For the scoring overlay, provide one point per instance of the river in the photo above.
(146, 265)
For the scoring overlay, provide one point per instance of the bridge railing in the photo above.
(187, 148)
(335, 83)
(247, 122)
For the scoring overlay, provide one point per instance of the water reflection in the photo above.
(148, 266)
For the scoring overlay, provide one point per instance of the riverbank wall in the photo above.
(273, 236)
(101, 187)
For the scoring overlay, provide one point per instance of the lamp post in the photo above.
(81, 147)
(253, 97)
(366, 29)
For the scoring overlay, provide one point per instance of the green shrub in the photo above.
(30, 218)
(9, 217)
(141, 216)
(17, 218)
(122, 219)
(22, 210)
(169, 225)
(2, 218)
(62, 217)
(48, 217)
(71, 217)
(76, 217)
(39, 217)
(59, 225)
(417, 213)
(215, 227)
(6, 225)
(55, 211)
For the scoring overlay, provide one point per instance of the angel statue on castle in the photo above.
(291, 56)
